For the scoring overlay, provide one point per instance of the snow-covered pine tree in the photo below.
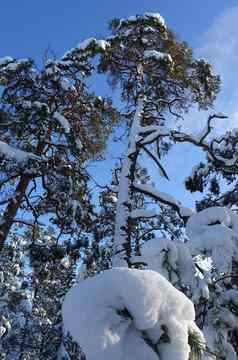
(53, 272)
(15, 306)
(36, 271)
(159, 79)
(144, 224)
(49, 126)
(205, 268)
(136, 315)
(216, 179)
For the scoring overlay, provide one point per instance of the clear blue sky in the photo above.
(28, 28)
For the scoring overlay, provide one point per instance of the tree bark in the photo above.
(122, 241)
(14, 204)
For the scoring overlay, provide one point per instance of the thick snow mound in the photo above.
(180, 268)
(121, 314)
(214, 231)
(198, 223)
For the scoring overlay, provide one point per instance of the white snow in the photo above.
(12, 66)
(26, 104)
(66, 85)
(63, 121)
(180, 268)
(156, 16)
(122, 212)
(163, 198)
(149, 29)
(221, 115)
(159, 131)
(157, 55)
(132, 18)
(91, 314)
(102, 44)
(85, 43)
(5, 60)
(214, 232)
(40, 105)
(16, 154)
(185, 211)
(150, 189)
(65, 262)
(228, 162)
(49, 71)
(78, 143)
(140, 213)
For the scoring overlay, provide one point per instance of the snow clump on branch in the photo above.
(214, 232)
(125, 314)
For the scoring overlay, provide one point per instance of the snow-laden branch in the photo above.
(138, 213)
(125, 314)
(157, 55)
(214, 232)
(87, 47)
(62, 121)
(150, 134)
(102, 44)
(30, 222)
(208, 127)
(164, 198)
(13, 153)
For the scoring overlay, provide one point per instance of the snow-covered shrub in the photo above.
(214, 233)
(126, 314)
(173, 260)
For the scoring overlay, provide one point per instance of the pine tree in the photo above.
(49, 126)
(15, 305)
(36, 272)
(158, 78)
(213, 290)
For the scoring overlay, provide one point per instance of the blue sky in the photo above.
(28, 28)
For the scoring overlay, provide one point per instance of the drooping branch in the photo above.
(165, 199)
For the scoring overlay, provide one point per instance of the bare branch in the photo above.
(162, 170)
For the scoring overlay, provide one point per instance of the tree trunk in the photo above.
(122, 239)
(14, 204)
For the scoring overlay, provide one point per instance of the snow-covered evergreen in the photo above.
(193, 267)
(156, 280)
